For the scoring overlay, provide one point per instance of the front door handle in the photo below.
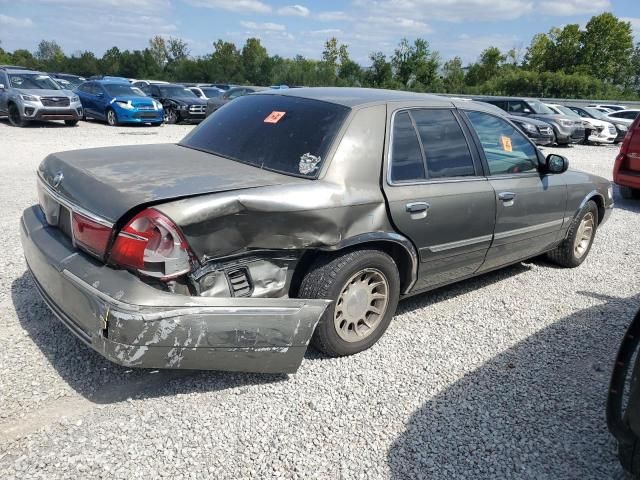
(506, 196)
(417, 210)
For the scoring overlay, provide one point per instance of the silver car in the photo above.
(294, 216)
(27, 95)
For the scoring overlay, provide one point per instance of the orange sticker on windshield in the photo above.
(506, 144)
(274, 117)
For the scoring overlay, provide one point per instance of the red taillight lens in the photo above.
(90, 235)
(152, 244)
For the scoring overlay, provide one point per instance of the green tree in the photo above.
(255, 62)
(453, 76)
(380, 74)
(607, 47)
(415, 66)
(226, 62)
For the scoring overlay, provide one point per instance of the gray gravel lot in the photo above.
(502, 376)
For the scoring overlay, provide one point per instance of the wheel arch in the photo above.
(398, 247)
(598, 199)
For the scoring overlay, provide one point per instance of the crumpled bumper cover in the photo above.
(136, 325)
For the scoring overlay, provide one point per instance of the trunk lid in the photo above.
(111, 181)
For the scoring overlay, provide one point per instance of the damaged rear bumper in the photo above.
(136, 325)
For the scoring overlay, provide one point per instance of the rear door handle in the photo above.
(417, 210)
(417, 207)
(506, 196)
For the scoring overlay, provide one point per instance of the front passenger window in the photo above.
(506, 149)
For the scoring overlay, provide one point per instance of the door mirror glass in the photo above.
(527, 110)
(556, 163)
(99, 94)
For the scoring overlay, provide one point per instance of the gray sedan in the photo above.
(290, 217)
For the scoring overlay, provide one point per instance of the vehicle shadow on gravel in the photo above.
(99, 380)
(37, 124)
(536, 410)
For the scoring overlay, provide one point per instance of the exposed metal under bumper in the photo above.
(136, 325)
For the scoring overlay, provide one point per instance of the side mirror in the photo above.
(526, 110)
(556, 163)
(100, 94)
(1, 86)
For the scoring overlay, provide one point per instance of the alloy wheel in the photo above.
(584, 235)
(111, 118)
(361, 305)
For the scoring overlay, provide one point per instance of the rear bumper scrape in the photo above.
(136, 325)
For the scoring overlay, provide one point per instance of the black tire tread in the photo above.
(563, 253)
(322, 276)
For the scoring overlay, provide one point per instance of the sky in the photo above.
(290, 27)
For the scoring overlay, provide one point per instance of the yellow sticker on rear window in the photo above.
(274, 117)
(506, 144)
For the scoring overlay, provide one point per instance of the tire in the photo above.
(331, 276)
(71, 123)
(575, 247)
(15, 118)
(112, 118)
(629, 193)
(157, 124)
(171, 116)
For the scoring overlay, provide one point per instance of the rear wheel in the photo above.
(15, 118)
(364, 286)
(629, 193)
(576, 246)
(112, 118)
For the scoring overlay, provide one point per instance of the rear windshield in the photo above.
(276, 132)
(126, 90)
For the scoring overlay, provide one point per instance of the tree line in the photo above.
(597, 61)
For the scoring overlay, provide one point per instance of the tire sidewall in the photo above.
(589, 207)
(115, 118)
(14, 110)
(326, 328)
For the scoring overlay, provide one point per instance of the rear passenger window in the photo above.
(507, 150)
(406, 156)
(445, 146)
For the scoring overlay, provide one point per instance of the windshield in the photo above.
(595, 113)
(32, 81)
(284, 134)
(539, 107)
(116, 90)
(211, 92)
(566, 111)
(175, 91)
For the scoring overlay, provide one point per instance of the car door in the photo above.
(437, 194)
(102, 99)
(530, 206)
(88, 99)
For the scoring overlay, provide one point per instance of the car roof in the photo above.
(24, 70)
(354, 97)
(107, 81)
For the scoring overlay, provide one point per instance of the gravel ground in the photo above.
(502, 376)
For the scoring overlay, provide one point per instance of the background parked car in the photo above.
(146, 83)
(621, 125)
(118, 102)
(566, 129)
(206, 92)
(540, 132)
(610, 106)
(626, 170)
(27, 95)
(74, 81)
(627, 115)
(595, 130)
(179, 103)
(214, 104)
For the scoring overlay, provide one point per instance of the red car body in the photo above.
(626, 170)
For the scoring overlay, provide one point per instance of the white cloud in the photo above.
(268, 26)
(332, 16)
(399, 24)
(635, 25)
(294, 11)
(573, 7)
(8, 21)
(241, 6)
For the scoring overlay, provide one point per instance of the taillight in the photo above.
(90, 235)
(153, 245)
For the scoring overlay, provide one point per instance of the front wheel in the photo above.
(15, 118)
(112, 118)
(364, 286)
(576, 246)
(171, 116)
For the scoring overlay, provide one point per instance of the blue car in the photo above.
(118, 103)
